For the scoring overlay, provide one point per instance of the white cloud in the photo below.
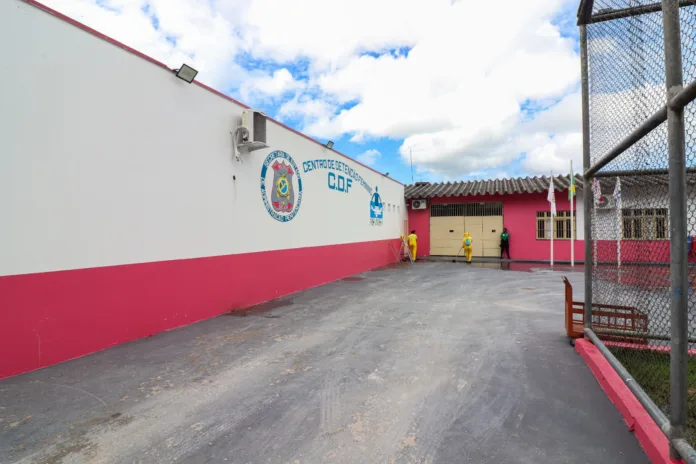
(501, 175)
(189, 31)
(270, 85)
(556, 136)
(449, 78)
(306, 108)
(554, 155)
(369, 157)
(330, 33)
(457, 104)
(564, 117)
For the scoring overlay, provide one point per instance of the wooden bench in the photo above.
(604, 316)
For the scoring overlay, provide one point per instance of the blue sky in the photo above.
(469, 91)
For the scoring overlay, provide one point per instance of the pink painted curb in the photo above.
(649, 435)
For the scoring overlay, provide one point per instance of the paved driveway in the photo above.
(430, 363)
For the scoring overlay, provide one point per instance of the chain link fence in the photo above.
(632, 205)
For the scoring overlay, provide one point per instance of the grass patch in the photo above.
(651, 371)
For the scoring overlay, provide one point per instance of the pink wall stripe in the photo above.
(51, 317)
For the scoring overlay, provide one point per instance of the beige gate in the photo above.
(446, 235)
(449, 222)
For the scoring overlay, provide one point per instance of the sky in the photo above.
(426, 90)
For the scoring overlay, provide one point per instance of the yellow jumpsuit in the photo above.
(413, 244)
(468, 249)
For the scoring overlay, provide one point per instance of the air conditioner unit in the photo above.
(250, 135)
(418, 204)
(255, 122)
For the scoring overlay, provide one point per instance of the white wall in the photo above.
(109, 159)
(579, 216)
(651, 197)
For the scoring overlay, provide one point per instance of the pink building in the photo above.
(441, 212)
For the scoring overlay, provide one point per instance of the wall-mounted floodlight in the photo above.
(186, 73)
(329, 144)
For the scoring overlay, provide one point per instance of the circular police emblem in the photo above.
(281, 186)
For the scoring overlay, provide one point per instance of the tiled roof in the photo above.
(647, 179)
(489, 187)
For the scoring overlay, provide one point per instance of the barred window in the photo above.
(561, 225)
(467, 209)
(644, 224)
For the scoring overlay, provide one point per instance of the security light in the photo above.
(329, 144)
(186, 73)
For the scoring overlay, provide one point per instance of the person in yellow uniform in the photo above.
(413, 243)
(468, 245)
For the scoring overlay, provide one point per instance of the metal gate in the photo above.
(448, 222)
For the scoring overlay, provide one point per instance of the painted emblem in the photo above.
(376, 209)
(281, 178)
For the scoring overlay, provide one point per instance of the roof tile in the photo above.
(489, 187)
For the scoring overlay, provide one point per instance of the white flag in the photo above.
(596, 191)
(617, 193)
(552, 198)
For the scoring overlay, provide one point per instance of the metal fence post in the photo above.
(586, 187)
(677, 225)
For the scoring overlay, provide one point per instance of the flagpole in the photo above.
(553, 219)
(617, 200)
(618, 240)
(572, 223)
(596, 193)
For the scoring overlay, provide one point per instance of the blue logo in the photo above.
(281, 186)
(376, 209)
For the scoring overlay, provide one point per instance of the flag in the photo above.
(617, 193)
(552, 198)
(596, 191)
(571, 188)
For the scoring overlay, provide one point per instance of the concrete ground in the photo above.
(429, 363)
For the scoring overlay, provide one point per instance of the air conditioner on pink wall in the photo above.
(418, 204)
